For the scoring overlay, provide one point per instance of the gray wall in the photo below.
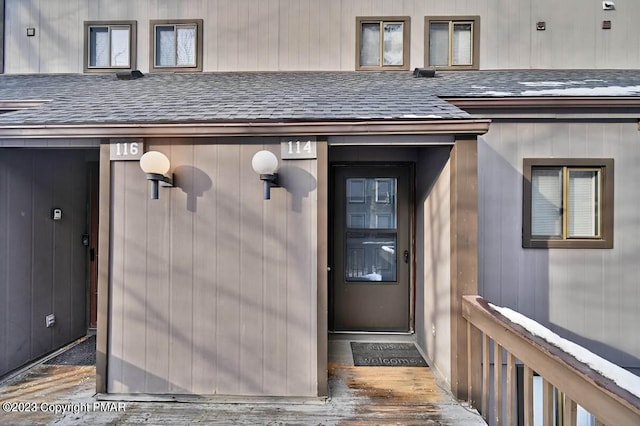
(214, 290)
(320, 34)
(433, 258)
(589, 296)
(42, 262)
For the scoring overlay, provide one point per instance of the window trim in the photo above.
(198, 50)
(475, 40)
(605, 240)
(406, 42)
(133, 43)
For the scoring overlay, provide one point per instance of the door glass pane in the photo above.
(546, 202)
(165, 46)
(583, 203)
(120, 47)
(371, 203)
(370, 256)
(370, 45)
(186, 46)
(393, 43)
(439, 44)
(99, 47)
(462, 44)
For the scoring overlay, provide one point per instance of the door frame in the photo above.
(411, 166)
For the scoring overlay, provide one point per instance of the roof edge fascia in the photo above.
(546, 102)
(330, 128)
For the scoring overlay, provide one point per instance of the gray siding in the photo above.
(590, 296)
(214, 290)
(284, 35)
(433, 258)
(42, 262)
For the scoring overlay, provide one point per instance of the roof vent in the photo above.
(129, 75)
(424, 72)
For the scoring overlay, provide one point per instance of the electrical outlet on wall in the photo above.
(50, 320)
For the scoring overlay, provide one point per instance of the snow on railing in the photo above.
(575, 375)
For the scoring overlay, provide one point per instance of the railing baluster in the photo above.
(486, 365)
(547, 403)
(528, 396)
(497, 383)
(474, 360)
(569, 411)
(511, 388)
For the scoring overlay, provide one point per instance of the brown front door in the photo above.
(371, 248)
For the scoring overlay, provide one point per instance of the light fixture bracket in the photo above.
(270, 180)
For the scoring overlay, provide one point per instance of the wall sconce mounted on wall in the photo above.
(265, 163)
(156, 165)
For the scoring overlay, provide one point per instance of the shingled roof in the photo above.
(287, 96)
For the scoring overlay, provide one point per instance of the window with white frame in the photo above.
(382, 43)
(109, 45)
(452, 42)
(568, 203)
(176, 45)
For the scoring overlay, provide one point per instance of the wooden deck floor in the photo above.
(359, 396)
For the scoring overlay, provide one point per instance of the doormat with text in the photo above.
(386, 355)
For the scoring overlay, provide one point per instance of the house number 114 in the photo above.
(297, 149)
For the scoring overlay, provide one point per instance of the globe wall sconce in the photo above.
(265, 163)
(156, 165)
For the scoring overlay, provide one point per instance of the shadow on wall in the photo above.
(298, 182)
(193, 182)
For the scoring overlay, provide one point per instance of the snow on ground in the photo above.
(619, 375)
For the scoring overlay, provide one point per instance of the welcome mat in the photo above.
(83, 353)
(386, 355)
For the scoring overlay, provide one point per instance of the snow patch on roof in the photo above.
(495, 93)
(586, 91)
(420, 116)
(551, 83)
(619, 375)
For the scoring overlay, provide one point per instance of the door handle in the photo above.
(406, 256)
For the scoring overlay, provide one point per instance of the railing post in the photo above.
(528, 396)
(569, 411)
(547, 403)
(474, 361)
(486, 369)
(497, 383)
(511, 388)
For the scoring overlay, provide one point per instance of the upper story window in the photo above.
(568, 203)
(176, 45)
(382, 43)
(109, 45)
(452, 42)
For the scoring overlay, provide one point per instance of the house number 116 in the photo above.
(126, 149)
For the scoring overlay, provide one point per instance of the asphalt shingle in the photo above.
(287, 96)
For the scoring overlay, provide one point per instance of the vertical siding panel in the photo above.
(20, 240)
(42, 284)
(228, 272)
(250, 285)
(205, 266)
(181, 271)
(157, 292)
(300, 330)
(62, 243)
(134, 278)
(274, 294)
(329, 40)
(4, 265)
(116, 360)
